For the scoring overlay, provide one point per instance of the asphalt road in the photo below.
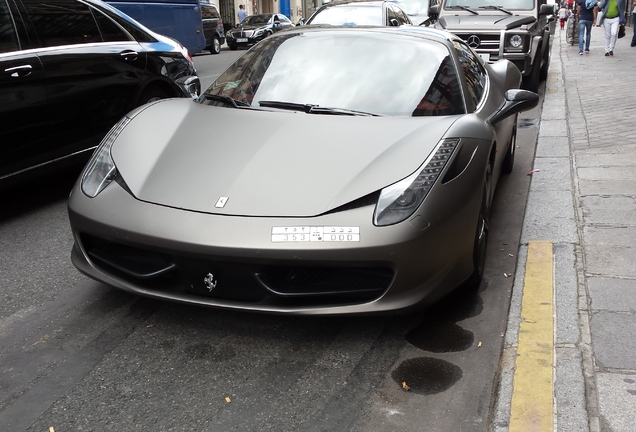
(78, 355)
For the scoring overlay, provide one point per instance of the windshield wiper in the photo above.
(499, 8)
(228, 100)
(314, 109)
(466, 8)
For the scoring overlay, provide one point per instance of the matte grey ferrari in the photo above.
(327, 171)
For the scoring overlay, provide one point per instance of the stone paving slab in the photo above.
(613, 340)
(612, 294)
(617, 401)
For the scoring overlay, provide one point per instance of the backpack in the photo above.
(589, 4)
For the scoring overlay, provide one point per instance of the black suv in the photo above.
(69, 70)
(517, 30)
(212, 27)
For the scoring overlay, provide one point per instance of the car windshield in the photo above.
(349, 15)
(349, 70)
(481, 6)
(256, 20)
(413, 7)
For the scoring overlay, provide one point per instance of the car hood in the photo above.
(186, 155)
(248, 27)
(476, 23)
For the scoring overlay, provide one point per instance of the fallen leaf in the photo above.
(479, 344)
(510, 255)
(51, 429)
(227, 399)
(507, 274)
(405, 386)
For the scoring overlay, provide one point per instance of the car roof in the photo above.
(429, 33)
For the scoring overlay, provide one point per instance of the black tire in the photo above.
(509, 161)
(232, 47)
(531, 82)
(543, 75)
(481, 235)
(215, 48)
(152, 94)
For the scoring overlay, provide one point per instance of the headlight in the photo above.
(516, 41)
(400, 200)
(101, 170)
(258, 33)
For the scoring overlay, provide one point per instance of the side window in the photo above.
(391, 16)
(62, 22)
(8, 39)
(110, 31)
(473, 71)
(444, 96)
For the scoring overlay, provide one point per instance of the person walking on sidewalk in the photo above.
(586, 11)
(242, 13)
(634, 23)
(563, 15)
(611, 19)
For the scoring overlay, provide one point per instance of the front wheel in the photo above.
(215, 48)
(509, 161)
(232, 47)
(531, 82)
(481, 235)
(152, 94)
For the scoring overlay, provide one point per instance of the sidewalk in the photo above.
(582, 203)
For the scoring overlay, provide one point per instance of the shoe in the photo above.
(580, 52)
(633, 44)
(606, 54)
(587, 51)
(611, 53)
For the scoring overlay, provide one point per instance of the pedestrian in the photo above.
(563, 15)
(611, 19)
(633, 23)
(242, 13)
(599, 15)
(586, 12)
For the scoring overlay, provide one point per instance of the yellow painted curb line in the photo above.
(532, 407)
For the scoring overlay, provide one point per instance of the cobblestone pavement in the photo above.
(583, 200)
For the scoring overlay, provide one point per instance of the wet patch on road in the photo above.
(427, 375)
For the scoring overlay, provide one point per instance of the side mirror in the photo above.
(546, 9)
(433, 11)
(394, 23)
(300, 22)
(515, 101)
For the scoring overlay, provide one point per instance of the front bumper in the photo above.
(232, 262)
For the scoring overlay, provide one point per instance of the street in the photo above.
(79, 355)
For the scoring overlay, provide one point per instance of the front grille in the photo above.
(488, 43)
(249, 282)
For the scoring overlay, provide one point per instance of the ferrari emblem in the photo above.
(210, 282)
(221, 202)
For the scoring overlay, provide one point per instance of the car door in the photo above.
(94, 70)
(22, 95)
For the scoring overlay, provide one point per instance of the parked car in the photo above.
(361, 180)
(255, 28)
(69, 71)
(355, 12)
(212, 27)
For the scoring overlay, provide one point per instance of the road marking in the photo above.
(532, 406)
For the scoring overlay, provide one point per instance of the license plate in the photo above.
(485, 56)
(315, 234)
(241, 40)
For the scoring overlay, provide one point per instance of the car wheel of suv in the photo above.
(531, 82)
(546, 64)
(232, 47)
(215, 48)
